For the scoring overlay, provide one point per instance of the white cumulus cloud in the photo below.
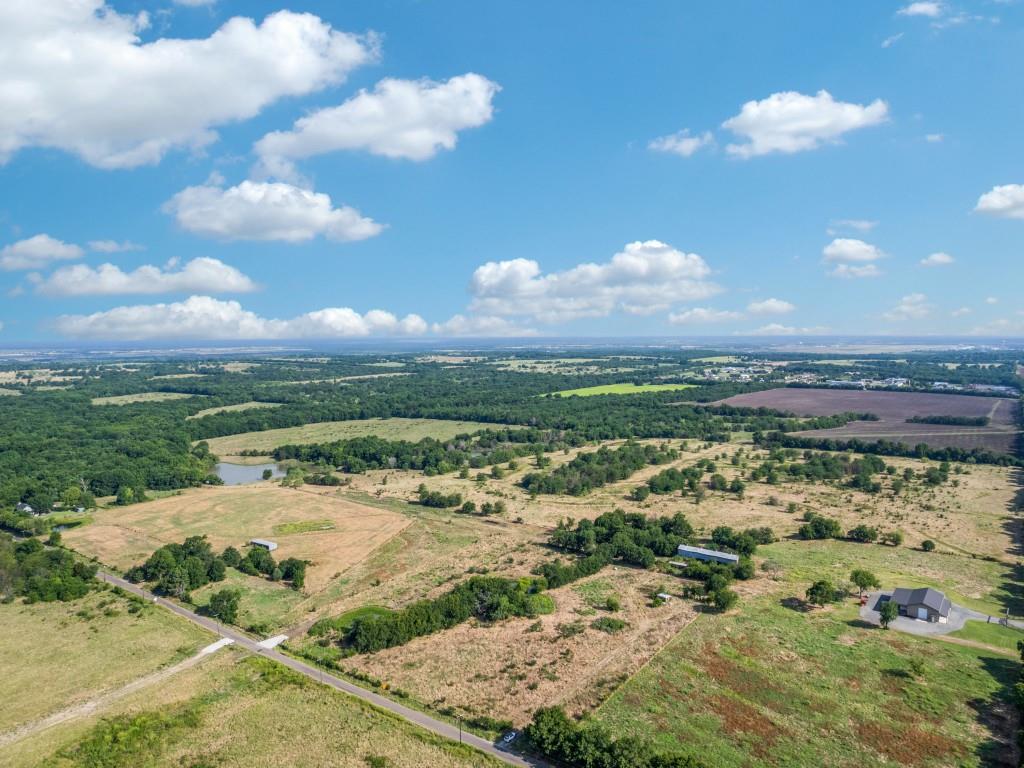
(681, 143)
(853, 271)
(770, 307)
(913, 306)
(928, 9)
(199, 275)
(938, 259)
(777, 329)
(853, 258)
(960, 312)
(860, 225)
(75, 75)
(114, 246)
(37, 252)
(645, 277)
(703, 316)
(207, 318)
(409, 119)
(1006, 201)
(791, 122)
(266, 211)
(480, 325)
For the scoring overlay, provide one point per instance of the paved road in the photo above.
(413, 716)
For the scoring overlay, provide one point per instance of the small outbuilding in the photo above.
(25, 509)
(924, 603)
(709, 555)
(270, 546)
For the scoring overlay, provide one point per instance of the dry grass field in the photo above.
(391, 429)
(54, 655)
(233, 711)
(513, 668)
(141, 397)
(252, 404)
(232, 515)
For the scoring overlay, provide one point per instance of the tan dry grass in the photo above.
(51, 658)
(141, 397)
(392, 429)
(508, 670)
(231, 516)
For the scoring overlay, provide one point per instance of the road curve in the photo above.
(416, 717)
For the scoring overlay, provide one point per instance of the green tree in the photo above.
(887, 613)
(267, 474)
(928, 545)
(821, 592)
(893, 538)
(223, 605)
(864, 580)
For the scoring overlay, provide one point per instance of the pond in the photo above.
(240, 474)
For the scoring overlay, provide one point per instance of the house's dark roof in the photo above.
(926, 596)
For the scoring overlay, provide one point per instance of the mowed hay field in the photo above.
(251, 405)
(235, 711)
(56, 655)
(141, 397)
(893, 409)
(769, 685)
(620, 389)
(390, 429)
(232, 515)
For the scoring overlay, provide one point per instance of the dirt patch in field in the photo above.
(510, 669)
(741, 719)
(908, 745)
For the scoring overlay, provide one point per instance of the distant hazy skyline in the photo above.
(216, 170)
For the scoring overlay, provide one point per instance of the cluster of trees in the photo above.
(821, 527)
(890, 448)
(715, 579)
(632, 537)
(487, 598)
(591, 745)
(40, 574)
(688, 480)
(178, 569)
(741, 542)
(952, 421)
(54, 440)
(433, 457)
(820, 467)
(594, 469)
(429, 498)
(487, 508)
(24, 524)
(258, 561)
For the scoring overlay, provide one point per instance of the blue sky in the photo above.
(509, 168)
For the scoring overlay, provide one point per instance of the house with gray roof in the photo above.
(924, 603)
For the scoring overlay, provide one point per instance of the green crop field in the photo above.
(390, 429)
(620, 389)
(736, 690)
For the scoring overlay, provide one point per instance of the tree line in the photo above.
(41, 574)
(597, 468)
